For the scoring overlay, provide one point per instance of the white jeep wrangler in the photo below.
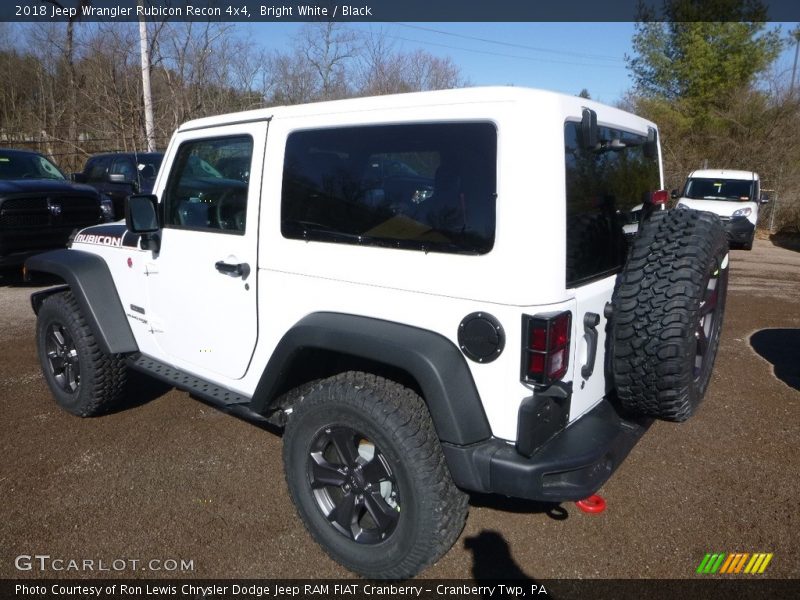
(433, 293)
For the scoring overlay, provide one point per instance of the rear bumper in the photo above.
(739, 230)
(571, 465)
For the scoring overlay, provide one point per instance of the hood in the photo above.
(44, 186)
(723, 208)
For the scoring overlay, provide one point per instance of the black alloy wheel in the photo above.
(62, 358)
(353, 485)
(709, 319)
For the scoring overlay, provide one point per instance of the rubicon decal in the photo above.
(734, 563)
(103, 240)
(115, 236)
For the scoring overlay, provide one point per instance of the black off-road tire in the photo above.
(668, 311)
(83, 379)
(426, 513)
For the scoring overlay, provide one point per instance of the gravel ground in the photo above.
(171, 478)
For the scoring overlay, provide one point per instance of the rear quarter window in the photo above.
(424, 186)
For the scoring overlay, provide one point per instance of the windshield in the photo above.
(719, 189)
(23, 165)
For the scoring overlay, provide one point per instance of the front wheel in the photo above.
(83, 379)
(366, 472)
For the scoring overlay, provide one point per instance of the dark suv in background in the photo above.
(120, 174)
(40, 208)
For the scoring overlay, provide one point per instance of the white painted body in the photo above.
(208, 324)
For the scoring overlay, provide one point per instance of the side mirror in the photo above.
(120, 178)
(764, 197)
(674, 194)
(141, 217)
(78, 177)
(590, 133)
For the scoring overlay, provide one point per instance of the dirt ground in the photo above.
(171, 479)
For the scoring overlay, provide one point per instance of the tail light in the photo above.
(545, 349)
(659, 197)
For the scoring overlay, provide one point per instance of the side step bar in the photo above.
(194, 385)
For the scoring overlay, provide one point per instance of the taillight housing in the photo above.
(545, 347)
(659, 197)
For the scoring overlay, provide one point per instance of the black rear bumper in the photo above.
(572, 465)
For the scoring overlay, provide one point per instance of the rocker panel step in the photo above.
(189, 383)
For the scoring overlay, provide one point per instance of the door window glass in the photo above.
(202, 192)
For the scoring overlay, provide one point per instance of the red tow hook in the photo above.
(593, 504)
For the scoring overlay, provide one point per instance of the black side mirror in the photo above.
(78, 177)
(141, 217)
(590, 133)
(764, 197)
(674, 194)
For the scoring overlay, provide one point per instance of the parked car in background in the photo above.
(120, 174)
(40, 207)
(734, 196)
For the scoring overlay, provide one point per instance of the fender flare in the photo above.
(90, 281)
(434, 361)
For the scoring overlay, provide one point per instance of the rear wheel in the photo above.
(366, 472)
(668, 312)
(83, 379)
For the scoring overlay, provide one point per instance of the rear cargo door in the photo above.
(606, 187)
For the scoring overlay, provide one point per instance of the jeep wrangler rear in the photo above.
(433, 293)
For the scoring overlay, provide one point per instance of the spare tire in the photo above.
(667, 313)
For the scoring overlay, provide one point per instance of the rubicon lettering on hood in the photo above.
(102, 240)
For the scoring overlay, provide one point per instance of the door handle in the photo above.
(590, 322)
(233, 270)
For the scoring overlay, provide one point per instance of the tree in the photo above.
(703, 77)
(704, 55)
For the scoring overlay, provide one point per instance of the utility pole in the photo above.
(149, 127)
(796, 34)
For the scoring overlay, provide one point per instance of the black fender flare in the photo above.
(430, 358)
(88, 278)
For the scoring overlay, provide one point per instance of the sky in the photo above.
(563, 57)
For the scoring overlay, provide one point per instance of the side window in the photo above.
(124, 166)
(202, 192)
(607, 187)
(428, 187)
(97, 169)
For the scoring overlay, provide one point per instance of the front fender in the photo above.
(90, 281)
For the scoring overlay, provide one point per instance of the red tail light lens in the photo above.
(545, 352)
(659, 197)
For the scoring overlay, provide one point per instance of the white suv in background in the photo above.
(734, 196)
